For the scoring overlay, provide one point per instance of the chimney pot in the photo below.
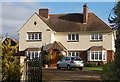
(85, 13)
(44, 12)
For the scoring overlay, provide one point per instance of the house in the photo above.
(73, 34)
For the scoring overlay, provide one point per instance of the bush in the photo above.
(46, 58)
(61, 56)
(90, 64)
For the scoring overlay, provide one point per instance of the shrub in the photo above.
(46, 58)
(90, 64)
(61, 56)
(102, 64)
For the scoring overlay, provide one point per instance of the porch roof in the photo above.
(96, 48)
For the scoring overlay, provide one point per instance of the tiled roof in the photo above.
(96, 48)
(74, 23)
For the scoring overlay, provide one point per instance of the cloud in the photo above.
(14, 15)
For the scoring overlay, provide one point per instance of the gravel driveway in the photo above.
(53, 74)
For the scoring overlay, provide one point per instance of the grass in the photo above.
(93, 68)
(43, 79)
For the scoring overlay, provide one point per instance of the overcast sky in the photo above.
(15, 14)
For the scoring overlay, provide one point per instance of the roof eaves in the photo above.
(102, 21)
(44, 21)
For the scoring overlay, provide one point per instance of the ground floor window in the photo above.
(97, 56)
(33, 54)
(73, 54)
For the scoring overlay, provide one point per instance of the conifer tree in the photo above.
(10, 67)
(112, 69)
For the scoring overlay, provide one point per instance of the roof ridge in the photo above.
(70, 13)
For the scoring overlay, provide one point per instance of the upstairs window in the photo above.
(96, 37)
(73, 37)
(34, 36)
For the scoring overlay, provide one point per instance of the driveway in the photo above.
(53, 74)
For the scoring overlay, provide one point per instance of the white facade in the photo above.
(49, 36)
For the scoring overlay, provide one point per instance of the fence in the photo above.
(34, 70)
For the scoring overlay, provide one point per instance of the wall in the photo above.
(30, 27)
(84, 41)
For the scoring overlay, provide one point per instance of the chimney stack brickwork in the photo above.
(85, 13)
(44, 12)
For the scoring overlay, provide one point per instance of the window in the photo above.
(34, 36)
(96, 37)
(97, 55)
(73, 54)
(33, 54)
(67, 59)
(73, 37)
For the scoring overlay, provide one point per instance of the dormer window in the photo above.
(73, 37)
(31, 36)
(96, 37)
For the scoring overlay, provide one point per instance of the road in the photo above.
(53, 74)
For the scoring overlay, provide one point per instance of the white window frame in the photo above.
(32, 55)
(98, 35)
(71, 54)
(34, 36)
(103, 53)
(74, 37)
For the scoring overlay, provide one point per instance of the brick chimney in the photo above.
(85, 13)
(44, 12)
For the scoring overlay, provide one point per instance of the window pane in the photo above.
(96, 55)
(29, 37)
(104, 56)
(96, 36)
(73, 53)
(39, 36)
(77, 36)
(36, 54)
(77, 54)
(73, 36)
(69, 36)
(92, 36)
(32, 55)
(69, 54)
(92, 55)
(100, 36)
(32, 36)
(100, 55)
(36, 36)
(67, 59)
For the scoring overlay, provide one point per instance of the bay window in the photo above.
(96, 55)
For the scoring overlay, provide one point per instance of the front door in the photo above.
(54, 58)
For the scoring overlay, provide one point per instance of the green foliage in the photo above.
(61, 56)
(112, 69)
(46, 58)
(10, 67)
(101, 64)
(89, 64)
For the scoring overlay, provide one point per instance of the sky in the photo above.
(15, 13)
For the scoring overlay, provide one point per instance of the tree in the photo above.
(46, 58)
(10, 67)
(112, 69)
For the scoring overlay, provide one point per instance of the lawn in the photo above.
(93, 68)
